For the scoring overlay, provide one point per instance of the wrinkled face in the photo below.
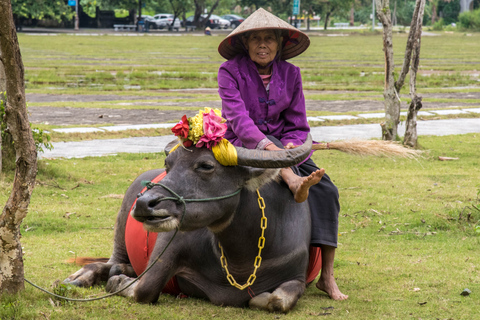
(262, 46)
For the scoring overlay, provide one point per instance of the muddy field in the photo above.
(92, 116)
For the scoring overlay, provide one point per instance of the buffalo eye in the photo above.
(204, 166)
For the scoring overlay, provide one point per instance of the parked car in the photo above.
(222, 23)
(146, 21)
(234, 20)
(164, 20)
(212, 23)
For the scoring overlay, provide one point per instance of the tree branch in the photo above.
(411, 43)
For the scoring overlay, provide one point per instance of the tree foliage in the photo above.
(329, 8)
(40, 9)
(470, 20)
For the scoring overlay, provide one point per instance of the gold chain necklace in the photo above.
(258, 258)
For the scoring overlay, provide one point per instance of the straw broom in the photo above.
(358, 147)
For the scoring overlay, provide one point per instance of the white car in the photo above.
(222, 23)
(164, 20)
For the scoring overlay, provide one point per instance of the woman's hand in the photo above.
(272, 146)
(290, 145)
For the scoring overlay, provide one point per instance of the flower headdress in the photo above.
(207, 128)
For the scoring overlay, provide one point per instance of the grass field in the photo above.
(408, 244)
(122, 65)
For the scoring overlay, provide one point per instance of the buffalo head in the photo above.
(194, 173)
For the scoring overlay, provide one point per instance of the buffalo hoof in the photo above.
(118, 283)
(90, 275)
(122, 268)
(283, 299)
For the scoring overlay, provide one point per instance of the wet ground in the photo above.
(140, 115)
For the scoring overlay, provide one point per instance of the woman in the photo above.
(263, 102)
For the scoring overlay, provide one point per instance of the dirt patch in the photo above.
(41, 97)
(97, 116)
(118, 116)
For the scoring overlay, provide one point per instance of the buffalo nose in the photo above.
(145, 205)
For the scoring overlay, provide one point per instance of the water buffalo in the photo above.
(194, 256)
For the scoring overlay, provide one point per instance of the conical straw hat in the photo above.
(294, 40)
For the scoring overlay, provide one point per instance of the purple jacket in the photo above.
(252, 114)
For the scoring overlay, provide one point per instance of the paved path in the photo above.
(324, 133)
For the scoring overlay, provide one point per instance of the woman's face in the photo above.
(262, 46)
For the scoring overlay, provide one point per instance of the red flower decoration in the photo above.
(181, 128)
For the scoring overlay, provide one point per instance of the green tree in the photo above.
(180, 8)
(329, 8)
(449, 11)
(280, 8)
(40, 9)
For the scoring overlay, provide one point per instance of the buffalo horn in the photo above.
(274, 159)
(170, 145)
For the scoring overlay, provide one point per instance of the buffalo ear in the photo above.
(259, 177)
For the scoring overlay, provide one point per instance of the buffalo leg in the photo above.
(90, 275)
(150, 286)
(283, 299)
(118, 282)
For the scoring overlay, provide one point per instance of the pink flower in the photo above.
(213, 130)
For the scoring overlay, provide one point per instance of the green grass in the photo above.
(106, 63)
(407, 244)
(407, 247)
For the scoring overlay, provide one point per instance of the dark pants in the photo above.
(323, 202)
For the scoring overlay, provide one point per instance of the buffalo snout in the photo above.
(155, 218)
(145, 206)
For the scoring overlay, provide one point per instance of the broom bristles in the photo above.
(358, 147)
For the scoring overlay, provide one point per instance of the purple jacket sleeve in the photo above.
(296, 126)
(234, 110)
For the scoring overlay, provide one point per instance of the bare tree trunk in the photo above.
(198, 12)
(394, 15)
(434, 11)
(352, 15)
(411, 137)
(15, 210)
(215, 5)
(3, 88)
(327, 18)
(390, 94)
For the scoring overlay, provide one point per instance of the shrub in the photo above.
(470, 20)
(41, 139)
(438, 26)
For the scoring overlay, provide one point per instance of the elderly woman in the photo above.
(263, 102)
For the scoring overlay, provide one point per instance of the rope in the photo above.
(178, 199)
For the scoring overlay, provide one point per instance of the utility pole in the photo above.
(77, 22)
(373, 15)
(72, 3)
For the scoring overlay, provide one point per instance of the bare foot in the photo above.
(330, 287)
(300, 189)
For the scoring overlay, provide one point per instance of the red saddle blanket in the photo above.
(140, 244)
